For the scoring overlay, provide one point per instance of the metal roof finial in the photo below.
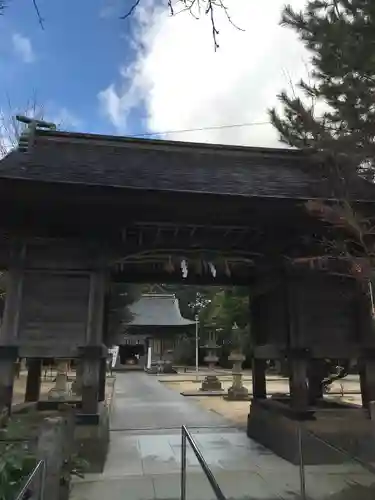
(26, 139)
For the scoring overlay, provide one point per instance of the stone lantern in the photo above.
(60, 391)
(237, 391)
(211, 382)
(168, 362)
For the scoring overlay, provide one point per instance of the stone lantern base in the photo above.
(237, 392)
(211, 382)
(60, 391)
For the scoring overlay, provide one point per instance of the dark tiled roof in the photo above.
(165, 165)
(157, 310)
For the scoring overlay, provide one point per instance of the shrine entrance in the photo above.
(131, 353)
(80, 211)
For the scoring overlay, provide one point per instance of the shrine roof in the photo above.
(143, 164)
(157, 310)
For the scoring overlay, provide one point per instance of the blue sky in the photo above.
(67, 64)
(93, 72)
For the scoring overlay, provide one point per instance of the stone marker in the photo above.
(237, 392)
(60, 391)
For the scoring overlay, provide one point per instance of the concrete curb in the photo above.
(223, 393)
(202, 393)
(222, 378)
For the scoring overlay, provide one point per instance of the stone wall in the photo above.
(48, 436)
(55, 446)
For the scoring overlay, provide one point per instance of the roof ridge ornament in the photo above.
(27, 138)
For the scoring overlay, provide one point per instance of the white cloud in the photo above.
(23, 48)
(184, 84)
(65, 119)
(111, 105)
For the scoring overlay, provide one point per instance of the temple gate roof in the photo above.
(157, 310)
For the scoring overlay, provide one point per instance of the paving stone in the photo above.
(169, 487)
(129, 488)
(144, 459)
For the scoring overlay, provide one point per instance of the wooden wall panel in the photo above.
(54, 312)
(58, 255)
(326, 311)
(269, 320)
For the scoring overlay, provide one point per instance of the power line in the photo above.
(217, 127)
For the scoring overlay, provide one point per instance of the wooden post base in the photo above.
(33, 380)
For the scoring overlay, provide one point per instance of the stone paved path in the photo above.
(144, 457)
(141, 402)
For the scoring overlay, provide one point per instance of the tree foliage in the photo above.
(333, 117)
(341, 136)
(15, 465)
(340, 36)
(228, 307)
(121, 296)
(228, 314)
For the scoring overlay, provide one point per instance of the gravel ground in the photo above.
(237, 411)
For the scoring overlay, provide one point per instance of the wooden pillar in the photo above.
(102, 379)
(299, 391)
(8, 356)
(366, 363)
(259, 365)
(298, 355)
(259, 379)
(315, 377)
(367, 378)
(93, 351)
(33, 380)
(9, 327)
(90, 379)
(363, 384)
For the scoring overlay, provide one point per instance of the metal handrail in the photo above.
(186, 436)
(40, 466)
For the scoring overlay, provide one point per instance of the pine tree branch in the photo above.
(339, 34)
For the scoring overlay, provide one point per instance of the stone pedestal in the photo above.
(237, 392)
(211, 382)
(275, 424)
(92, 361)
(92, 441)
(55, 446)
(102, 379)
(60, 391)
(168, 362)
